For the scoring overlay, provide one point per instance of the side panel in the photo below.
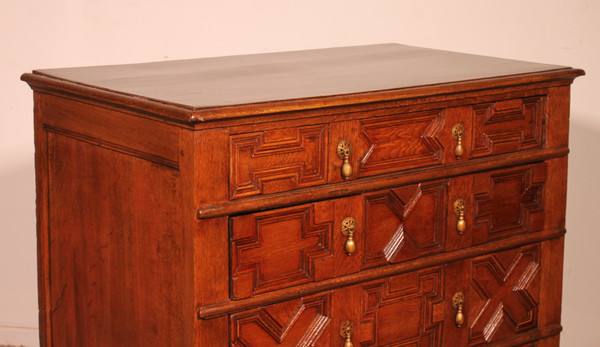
(111, 239)
(115, 247)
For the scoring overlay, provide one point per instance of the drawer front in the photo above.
(380, 141)
(306, 243)
(277, 160)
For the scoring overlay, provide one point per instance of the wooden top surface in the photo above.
(226, 82)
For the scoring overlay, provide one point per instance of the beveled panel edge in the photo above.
(189, 115)
(232, 306)
(114, 147)
(358, 186)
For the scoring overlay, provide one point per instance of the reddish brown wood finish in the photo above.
(277, 160)
(94, 242)
(201, 202)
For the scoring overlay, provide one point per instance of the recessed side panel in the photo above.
(115, 248)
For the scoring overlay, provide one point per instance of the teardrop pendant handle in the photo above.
(458, 131)
(458, 301)
(344, 149)
(348, 228)
(346, 329)
(459, 210)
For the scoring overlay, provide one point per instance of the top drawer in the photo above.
(379, 141)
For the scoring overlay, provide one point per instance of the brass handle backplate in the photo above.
(459, 209)
(344, 149)
(458, 301)
(348, 228)
(346, 329)
(458, 131)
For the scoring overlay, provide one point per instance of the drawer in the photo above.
(498, 295)
(379, 141)
(290, 246)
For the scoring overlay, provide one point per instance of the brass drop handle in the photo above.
(348, 228)
(459, 210)
(458, 131)
(344, 149)
(458, 301)
(346, 329)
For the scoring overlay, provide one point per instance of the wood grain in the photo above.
(216, 88)
(201, 202)
(101, 252)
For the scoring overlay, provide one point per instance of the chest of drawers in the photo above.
(378, 195)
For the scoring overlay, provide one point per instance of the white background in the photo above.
(59, 33)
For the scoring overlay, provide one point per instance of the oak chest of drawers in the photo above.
(378, 195)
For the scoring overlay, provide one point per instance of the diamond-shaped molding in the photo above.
(401, 142)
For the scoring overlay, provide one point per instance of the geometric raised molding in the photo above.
(505, 294)
(508, 126)
(277, 160)
(400, 310)
(278, 249)
(404, 223)
(301, 322)
(401, 142)
(508, 202)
